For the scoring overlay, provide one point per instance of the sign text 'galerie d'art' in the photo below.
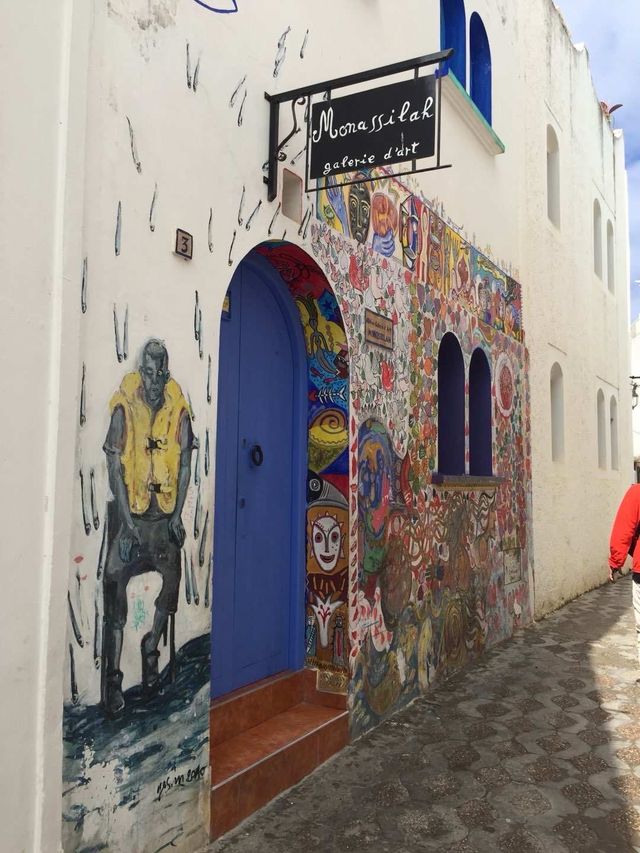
(379, 127)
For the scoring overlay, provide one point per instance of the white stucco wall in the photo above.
(570, 316)
(635, 371)
(66, 163)
(43, 48)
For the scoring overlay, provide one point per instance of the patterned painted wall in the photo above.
(400, 225)
(440, 570)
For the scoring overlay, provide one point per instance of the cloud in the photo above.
(612, 41)
(633, 173)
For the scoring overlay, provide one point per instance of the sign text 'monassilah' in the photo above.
(378, 127)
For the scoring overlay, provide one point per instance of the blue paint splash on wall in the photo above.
(234, 5)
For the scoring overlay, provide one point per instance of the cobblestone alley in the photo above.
(534, 748)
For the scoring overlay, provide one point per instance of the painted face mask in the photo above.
(327, 540)
(410, 232)
(359, 212)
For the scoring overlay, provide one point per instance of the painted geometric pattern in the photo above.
(439, 571)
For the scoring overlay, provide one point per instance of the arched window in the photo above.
(553, 177)
(613, 426)
(611, 259)
(557, 414)
(450, 406)
(453, 33)
(597, 238)
(480, 56)
(602, 435)
(480, 445)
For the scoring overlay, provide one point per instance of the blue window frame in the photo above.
(480, 56)
(480, 462)
(450, 406)
(453, 34)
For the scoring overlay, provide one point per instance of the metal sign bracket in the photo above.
(303, 95)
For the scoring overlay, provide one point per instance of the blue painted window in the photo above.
(450, 406)
(480, 56)
(453, 34)
(480, 463)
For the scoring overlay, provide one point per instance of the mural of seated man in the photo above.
(148, 449)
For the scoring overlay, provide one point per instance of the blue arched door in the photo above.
(258, 564)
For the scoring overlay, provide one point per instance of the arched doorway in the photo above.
(327, 414)
(258, 592)
(280, 567)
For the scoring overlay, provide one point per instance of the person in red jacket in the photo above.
(623, 541)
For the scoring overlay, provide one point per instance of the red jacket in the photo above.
(624, 534)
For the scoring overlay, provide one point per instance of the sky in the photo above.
(611, 32)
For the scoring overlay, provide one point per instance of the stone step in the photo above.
(255, 765)
(249, 706)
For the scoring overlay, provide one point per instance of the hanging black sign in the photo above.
(393, 124)
(379, 127)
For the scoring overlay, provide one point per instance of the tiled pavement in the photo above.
(534, 748)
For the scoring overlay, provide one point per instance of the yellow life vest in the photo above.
(151, 457)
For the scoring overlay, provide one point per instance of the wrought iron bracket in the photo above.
(298, 96)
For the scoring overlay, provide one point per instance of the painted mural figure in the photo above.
(359, 211)
(148, 449)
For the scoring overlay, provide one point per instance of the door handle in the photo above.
(257, 455)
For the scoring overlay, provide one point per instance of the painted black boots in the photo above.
(150, 674)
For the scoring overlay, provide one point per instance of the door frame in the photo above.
(270, 278)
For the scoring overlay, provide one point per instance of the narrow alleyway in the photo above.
(534, 748)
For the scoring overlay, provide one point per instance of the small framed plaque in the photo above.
(512, 566)
(184, 244)
(378, 329)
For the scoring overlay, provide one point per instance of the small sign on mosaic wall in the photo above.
(378, 330)
(386, 125)
(512, 566)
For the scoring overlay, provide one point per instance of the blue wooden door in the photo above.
(252, 566)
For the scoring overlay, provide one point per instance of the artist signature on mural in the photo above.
(179, 780)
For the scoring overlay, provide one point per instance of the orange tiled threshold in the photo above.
(266, 738)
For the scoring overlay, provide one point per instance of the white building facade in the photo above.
(441, 490)
(635, 368)
(576, 306)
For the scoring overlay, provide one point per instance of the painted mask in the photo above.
(327, 541)
(384, 215)
(410, 232)
(359, 211)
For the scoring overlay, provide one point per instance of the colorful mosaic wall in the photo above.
(397, 224)
(438, 568)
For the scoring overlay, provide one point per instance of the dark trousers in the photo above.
(156, 553)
